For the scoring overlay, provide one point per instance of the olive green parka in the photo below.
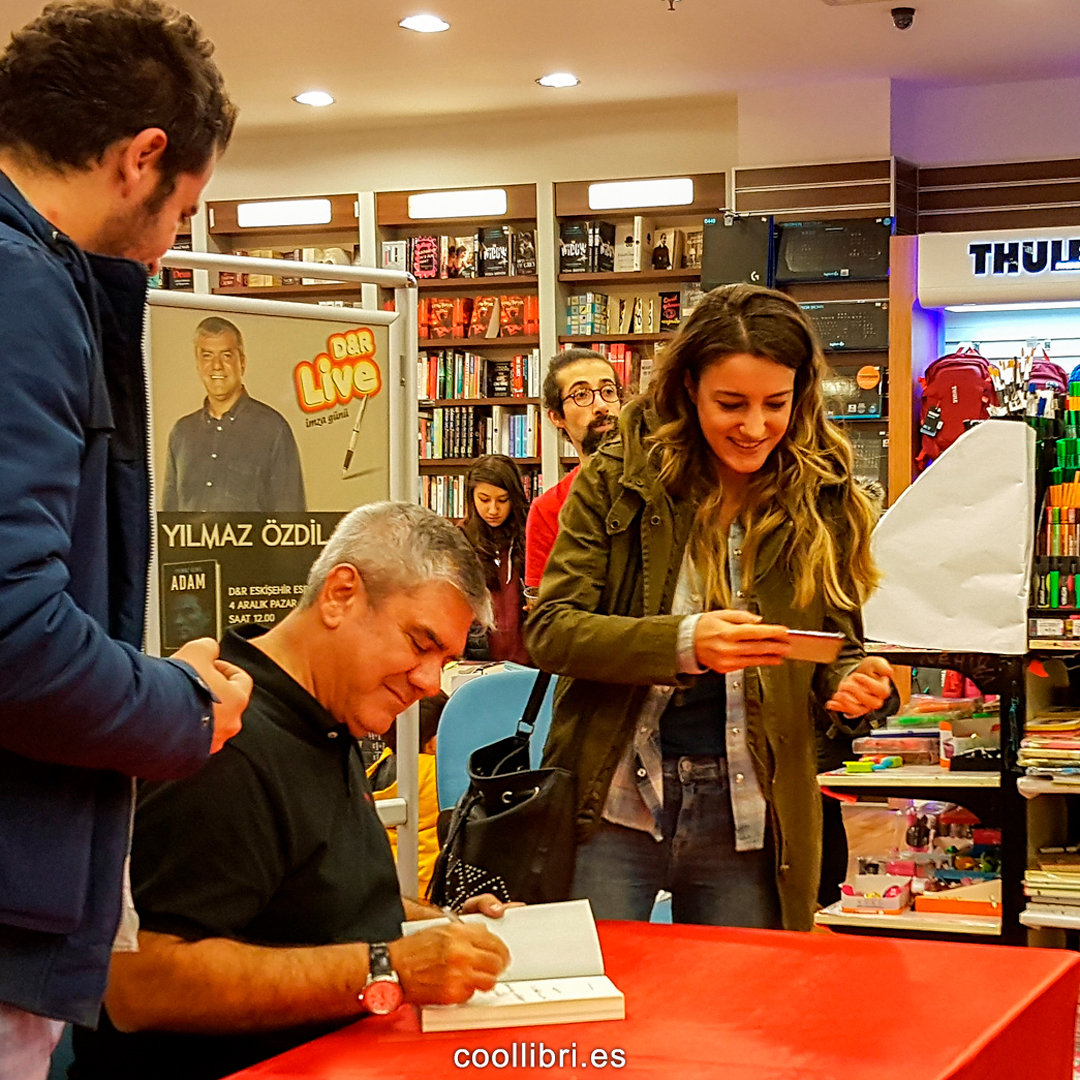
(604, 623)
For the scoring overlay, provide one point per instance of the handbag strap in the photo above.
(532, 708)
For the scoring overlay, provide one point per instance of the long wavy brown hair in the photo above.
(491, 545)
(828, 551)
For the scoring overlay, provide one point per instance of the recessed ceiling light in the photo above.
(559, 78)
(316, 98)
(425, 24)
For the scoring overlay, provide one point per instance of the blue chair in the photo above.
(483, 710)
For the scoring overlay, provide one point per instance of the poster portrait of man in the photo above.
(235, 454)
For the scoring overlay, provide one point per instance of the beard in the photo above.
(596, 433)
(123, 233)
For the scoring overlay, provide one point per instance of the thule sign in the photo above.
(998, 267)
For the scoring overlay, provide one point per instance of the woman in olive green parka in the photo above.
(724, 515)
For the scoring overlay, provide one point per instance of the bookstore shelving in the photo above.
(319, 229)
(627, 276)
(478, 368)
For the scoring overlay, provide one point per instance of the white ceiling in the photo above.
(622, 50)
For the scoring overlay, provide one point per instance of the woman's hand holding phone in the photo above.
(729, 640)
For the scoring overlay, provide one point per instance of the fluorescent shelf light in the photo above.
(486, 202)
(559, 79)
(319, 99)
(264, 215)
(424, 24)
(1030, 305)
(629, 194)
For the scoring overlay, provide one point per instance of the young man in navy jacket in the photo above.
(111, 119)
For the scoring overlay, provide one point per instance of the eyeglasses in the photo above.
(584, 396)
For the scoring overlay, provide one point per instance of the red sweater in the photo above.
(543, 526)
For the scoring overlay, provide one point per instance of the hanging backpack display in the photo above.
(956, 388)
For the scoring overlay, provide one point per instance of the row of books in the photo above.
(329, 256)
(468, 431)
(492, 251)
(478, 317)
(458, 373)
(632, 367)
(605, 246)
(175, 277)
(446, 495)
(596, 313)
(1051, 743)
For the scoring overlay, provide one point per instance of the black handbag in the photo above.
(512, 832)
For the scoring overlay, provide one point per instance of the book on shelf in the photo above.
(290, 255)
(602, 246)
(512, 321)
(555, 975)
(494, 258)
(485, 317)
(424, 255)
(693, 241)
(522, 252)
(180, 277)
(462, 261)
(573, 247)
(667, 254)
(328, 256)
(633, 247)
(395, 254)
(670, 311)
(690, 295)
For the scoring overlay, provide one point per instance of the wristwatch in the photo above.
(382, 992)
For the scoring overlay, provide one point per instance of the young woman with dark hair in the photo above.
(496, 509)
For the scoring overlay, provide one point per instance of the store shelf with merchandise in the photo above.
(478, 375)
(989, 795)
(320, 229)
(628, 275)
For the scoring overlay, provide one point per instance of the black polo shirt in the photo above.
(276, 841)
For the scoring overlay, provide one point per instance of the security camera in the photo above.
(903, 17)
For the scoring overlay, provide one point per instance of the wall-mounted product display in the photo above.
(628, 278)
(737, 248)
(323, 230)
(854, 250)
(478, 378)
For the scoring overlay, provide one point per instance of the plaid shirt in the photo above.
(636, 796)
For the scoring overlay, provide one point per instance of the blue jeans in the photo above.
(620, 870)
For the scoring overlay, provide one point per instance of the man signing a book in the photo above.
(269, 904)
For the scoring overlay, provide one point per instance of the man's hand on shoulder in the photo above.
(230, 685)
(447, 964)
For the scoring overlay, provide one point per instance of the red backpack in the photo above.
(955, 388)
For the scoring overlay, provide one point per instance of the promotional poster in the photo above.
(266, 430)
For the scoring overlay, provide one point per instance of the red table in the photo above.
(759, 1005)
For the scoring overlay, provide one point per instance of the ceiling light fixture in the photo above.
(264, 215)
(424, 24)
(558, 79)
(318, 99)
(633, 194)
(486, 202)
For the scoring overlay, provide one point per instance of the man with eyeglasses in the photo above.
(583, 399)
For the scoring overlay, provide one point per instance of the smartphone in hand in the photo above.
(817, 646)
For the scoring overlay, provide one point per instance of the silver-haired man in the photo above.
(265, 886)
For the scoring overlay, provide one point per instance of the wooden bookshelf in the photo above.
(600, 339)
(290, 292)
(479, 343)
(445, 464)
(479, 284)
(432, 403)
(635, 277)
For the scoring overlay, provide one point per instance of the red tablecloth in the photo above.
(759, 1005)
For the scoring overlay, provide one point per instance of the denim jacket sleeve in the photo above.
(69, 693)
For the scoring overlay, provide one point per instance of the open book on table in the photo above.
(555, 976)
